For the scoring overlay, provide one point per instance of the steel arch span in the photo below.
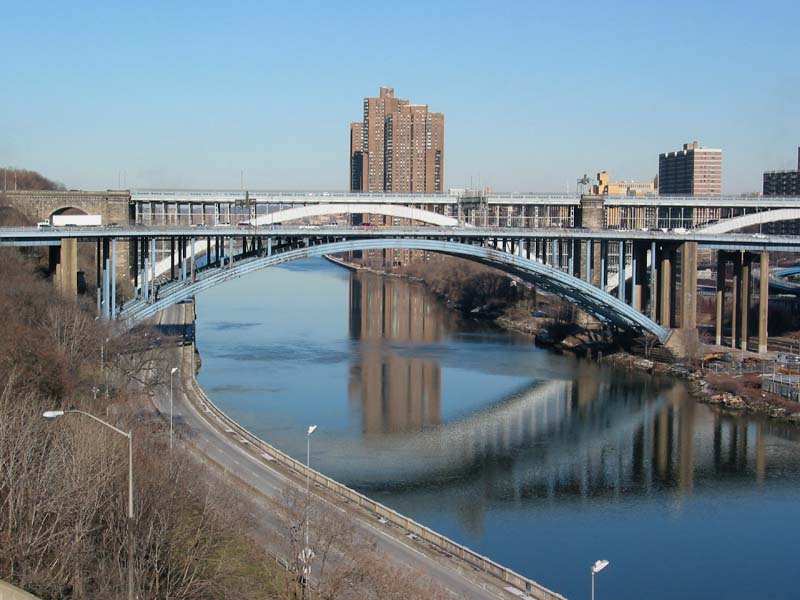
(758, 218)
(585, 296)
(389, 210)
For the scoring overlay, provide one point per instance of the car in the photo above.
(199, 225)
(44, 225)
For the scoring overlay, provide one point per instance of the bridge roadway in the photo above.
(29, 236)
(336, 197)
(269, 481)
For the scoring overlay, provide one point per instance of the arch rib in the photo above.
(590, 299)
(389, 210)
(759, 218)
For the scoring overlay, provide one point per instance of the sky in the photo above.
(535, 94)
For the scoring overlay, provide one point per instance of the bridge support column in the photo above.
(113, 306)
(67, 269)
(665, 287)
(172, 258)
(621, 271)
(192, 263)
(152, 278)
(639, 272)
(763, 302)
(556, 257)
(735, 281)
(652, 294)
(106, 289)
(146, 280)
(574, 259)
(720, 296)
(744, 300)
(269, 246)
(689, 285)
(603, 255)
(135, 242)
(587, 260)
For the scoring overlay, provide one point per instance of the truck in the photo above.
(76, 220)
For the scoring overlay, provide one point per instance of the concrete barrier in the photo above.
(443, 543)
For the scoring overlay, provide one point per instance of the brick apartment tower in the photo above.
(693, 171)
(399, 147)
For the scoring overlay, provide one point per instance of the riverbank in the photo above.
(733, 393)
(555, 329)
(728, 392)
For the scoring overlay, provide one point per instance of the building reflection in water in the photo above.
(395, 393)
(585, 432)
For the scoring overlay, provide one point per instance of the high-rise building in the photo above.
(783, 183)
(693, 171)
(401, 147)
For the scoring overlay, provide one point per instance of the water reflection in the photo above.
(591, 433)
(542, 462)
(396, 393)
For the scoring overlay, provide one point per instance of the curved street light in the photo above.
(171, 373)
(596, 568)
(54, 414)
(308, 554)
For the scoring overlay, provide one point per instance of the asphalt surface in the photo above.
(225, 449)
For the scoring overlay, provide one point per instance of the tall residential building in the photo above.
(401, 147)
(783, 183)
(693, 171)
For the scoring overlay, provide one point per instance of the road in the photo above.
(269, 480)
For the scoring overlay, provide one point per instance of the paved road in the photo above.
(226, 451)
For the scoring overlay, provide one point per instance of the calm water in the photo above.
(544, 463)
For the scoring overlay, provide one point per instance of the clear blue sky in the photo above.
(188, 94)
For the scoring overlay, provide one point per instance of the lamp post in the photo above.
(596, 568)
(308, 554)
(171, 373)
(53, 414)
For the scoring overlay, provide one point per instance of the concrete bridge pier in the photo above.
(741, 298)
(638, 275)
(722, 264)
(665, 289)
(745, 290)
(763, 302)
(65, 277)
(689, 285)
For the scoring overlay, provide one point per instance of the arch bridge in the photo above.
(167, 264)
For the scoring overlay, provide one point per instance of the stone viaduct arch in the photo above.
(599, 304)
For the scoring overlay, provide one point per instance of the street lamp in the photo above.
(53, 414)
(308, 554)
(171, 373)
(596, 568)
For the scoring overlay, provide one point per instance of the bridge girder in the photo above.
(588, 298)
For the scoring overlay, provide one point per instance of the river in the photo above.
(544, 463)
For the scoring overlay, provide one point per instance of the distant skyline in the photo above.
(190, 94)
